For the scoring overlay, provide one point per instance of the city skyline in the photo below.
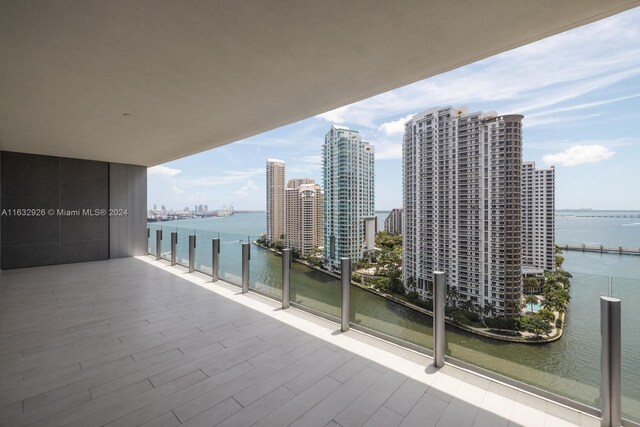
(579, 92)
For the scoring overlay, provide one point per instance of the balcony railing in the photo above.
(567, 371)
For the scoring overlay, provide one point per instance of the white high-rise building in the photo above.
(348, 173)
(393, 222)
(538, 217)
(275, 200)
(461, 177)
(304, 203)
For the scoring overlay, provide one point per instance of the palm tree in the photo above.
(531, 300)
(467, 305)
(453, 294)
(488, 309)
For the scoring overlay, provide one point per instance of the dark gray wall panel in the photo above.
(128, 191)
(84, 185)
(29, 182)
(84, 251)
(43, 182)
(19, 256)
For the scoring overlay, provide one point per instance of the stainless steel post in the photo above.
(438, 318)
(158, 244)
(345, 280)
(192, 253)
(215, 256)
(610, 362)
(174, 243)
(246, 257)
(286, 269)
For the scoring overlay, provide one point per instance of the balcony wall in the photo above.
(35, 189)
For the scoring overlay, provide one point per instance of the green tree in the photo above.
(536, 325)
(395, 281)
(488, 309)
(453, 294)
(468, 305)
(411, 284)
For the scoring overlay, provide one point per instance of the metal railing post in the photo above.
(148, 237)
(174, 243)
(158, 244)
(215, 256)
(192, 253)
(610, 362)
(438, 318)
(246, 257)
(286, 270)
(345, 283)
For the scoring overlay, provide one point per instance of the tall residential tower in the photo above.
(461, 177)
(275, 200)
(304, 203)
(348, 173)
(393, 222)
(538, 216)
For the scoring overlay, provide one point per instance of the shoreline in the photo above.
(469, 329)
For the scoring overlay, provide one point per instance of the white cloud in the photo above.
(530, 122)
(585, 105)
(531, 78)
(579, 155)
(338, 115)
(244, 192)
(163, 170)
(395, 127)
(388, 150)
(225, 177)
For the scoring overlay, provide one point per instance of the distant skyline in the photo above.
(579, 92)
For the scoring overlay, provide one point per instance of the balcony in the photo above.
(133, 341)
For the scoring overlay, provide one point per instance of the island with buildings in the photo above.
(471, 208)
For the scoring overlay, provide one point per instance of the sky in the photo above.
(579, 92)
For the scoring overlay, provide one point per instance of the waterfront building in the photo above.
(538, 216)
(348, 181)
(303, 224)
(393, 222)
(370, 232)
(461, 179)
(275, 200)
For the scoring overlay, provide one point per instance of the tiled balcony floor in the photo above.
(135, 342)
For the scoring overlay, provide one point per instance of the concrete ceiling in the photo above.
(148, 81)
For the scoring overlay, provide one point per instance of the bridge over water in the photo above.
(601, 249)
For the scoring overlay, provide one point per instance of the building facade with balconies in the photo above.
(275, 199)
(538, 216)
(348, 180)
(304, 203)
(462, 201)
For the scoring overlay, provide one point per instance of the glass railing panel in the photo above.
(166, 241)
(182, 246)
(569, 366)
(395, 319)
(316, 290)
(628, 290)
(266, 271)
(151, 241)
(203, 260)
(231, 258)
